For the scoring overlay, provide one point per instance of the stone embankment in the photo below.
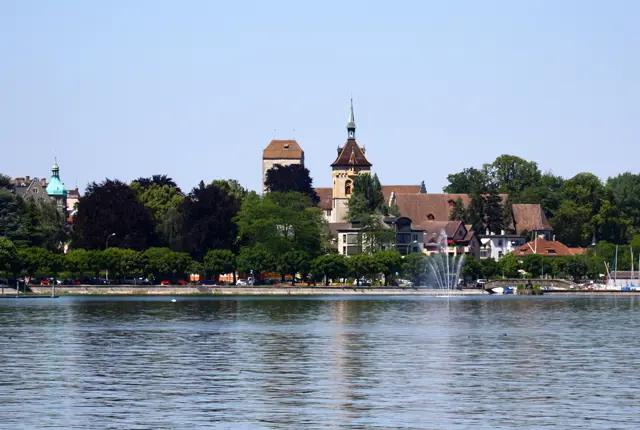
(241, 291)
(560, 284)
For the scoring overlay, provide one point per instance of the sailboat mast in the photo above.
(631, 248)
(615, 274)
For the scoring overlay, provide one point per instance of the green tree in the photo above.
(232, 187)
(219, 261)
(208, 214)
(281, 222)
(359, 265)
(476, 211)
(112, 207)
(292, 178)
(256, 259)
(459, 212)
(573, 223)
(472, 269)
(490, 268)
(509, 266)
(577, 267)
(624, 190)
(415, 268)
(367, 197)
(494, 214)
(534, 264)
(512, 175)
(158, 199)
(293, 262)
(469, 181)
(10, 208)
(34, 261)
(41, 225)
(389, 263)
(329, 266)
(77, 262)
(122, 262)
(8, 255)
(547, 193)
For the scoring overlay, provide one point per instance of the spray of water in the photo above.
(444, 269)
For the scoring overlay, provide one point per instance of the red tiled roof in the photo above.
(283, 149)
(351, 155)
(399, 189)
(418, 207)
(546, 247)
(73, 194)
(529, 217)
(325, 195)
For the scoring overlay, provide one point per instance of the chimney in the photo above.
(43, 182)
(27, 179)
(554, 237)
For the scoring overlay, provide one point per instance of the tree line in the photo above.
(582, 210)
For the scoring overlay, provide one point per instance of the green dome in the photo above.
(56, 187)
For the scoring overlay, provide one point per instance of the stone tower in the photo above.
(57, 191)
(350, 163)
(283, 152)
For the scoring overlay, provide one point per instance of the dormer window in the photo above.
(430, 217)
(286, 146)
(347, 188)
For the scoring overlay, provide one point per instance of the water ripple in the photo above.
(402, 363)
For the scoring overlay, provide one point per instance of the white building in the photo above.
(496, 245)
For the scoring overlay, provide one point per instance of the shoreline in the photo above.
(118, 290)
(127, 290)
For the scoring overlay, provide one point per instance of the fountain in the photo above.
(444, 269)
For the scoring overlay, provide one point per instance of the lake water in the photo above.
(422, 362)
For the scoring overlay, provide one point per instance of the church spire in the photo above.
(351, 125)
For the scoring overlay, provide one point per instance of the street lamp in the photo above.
(410, 245)
(106, 246)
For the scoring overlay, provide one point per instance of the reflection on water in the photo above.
(311, 363)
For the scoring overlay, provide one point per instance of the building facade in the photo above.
(39, 189)
(497, 245)
(403, 237)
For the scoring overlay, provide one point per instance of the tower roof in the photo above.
(283, 149)
(351, 155)
(55, 186)
(352, 118)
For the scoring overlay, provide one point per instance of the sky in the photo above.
(196, 89)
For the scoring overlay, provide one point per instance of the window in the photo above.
(500, 243)
(415, 237)
(451, 203)
(430, 217)
(344, 238)
(347, 188)
(344, 250)
(415, 249)
(499, 254)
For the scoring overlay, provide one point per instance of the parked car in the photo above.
(135, 280)
(242, 283)
(208, 282)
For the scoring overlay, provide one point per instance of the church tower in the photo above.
(57, 191)
(350, 163)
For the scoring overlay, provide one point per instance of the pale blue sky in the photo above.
(195, 89)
